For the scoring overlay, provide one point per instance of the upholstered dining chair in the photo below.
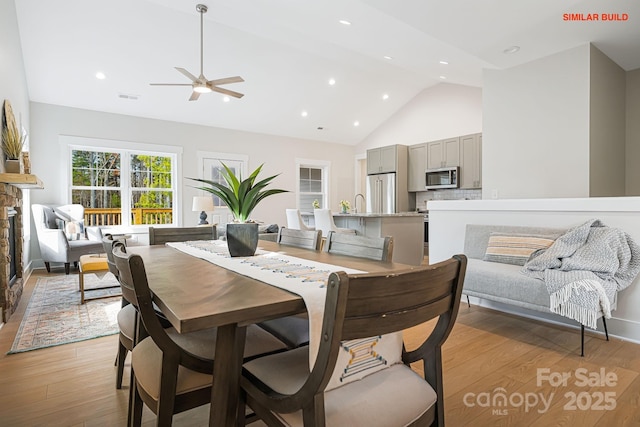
(283, 390)
(127, 316)
(295, 221)
(162, 235)
(324, 221)
(172, 372)
(376, 248)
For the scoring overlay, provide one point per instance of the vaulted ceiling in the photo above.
(287, 51)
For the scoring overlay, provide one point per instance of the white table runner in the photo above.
(308, 279)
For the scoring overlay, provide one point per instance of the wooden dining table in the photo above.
(195, 294)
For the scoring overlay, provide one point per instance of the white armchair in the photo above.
(52, 227)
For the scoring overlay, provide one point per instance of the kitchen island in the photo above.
(407, 230)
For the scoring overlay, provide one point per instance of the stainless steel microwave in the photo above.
(442, 178)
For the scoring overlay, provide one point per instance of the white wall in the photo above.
(438, 112)
(277, 153)
(448, 219)
(633, 133)
(606, 126)
(535, 130)
(13, 87)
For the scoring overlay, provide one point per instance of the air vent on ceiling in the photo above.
(128, 96)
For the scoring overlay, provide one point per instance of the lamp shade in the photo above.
(202, 203)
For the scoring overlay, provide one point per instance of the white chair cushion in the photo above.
(395, 396)
(146, 361)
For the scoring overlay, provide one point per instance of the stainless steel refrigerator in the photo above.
(381, 193)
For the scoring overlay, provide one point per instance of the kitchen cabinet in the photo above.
(443, 153)
(471, 161)
(417, 166)
(382, 160)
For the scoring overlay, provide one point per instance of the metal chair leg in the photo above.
(604, 323)
(468, 303)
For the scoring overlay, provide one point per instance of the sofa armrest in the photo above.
(54, 245)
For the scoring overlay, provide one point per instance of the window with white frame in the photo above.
(124, 187)
(313, 179)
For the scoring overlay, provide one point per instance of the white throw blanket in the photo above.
(308, 279)
(585, 268)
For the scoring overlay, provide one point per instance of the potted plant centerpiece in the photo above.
(241, 197)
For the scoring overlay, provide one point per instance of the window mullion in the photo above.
(125, 187)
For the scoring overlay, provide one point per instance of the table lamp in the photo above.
(202, 204)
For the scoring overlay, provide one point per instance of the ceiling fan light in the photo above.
(201, 89)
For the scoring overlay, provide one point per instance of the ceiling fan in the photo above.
(201, 84)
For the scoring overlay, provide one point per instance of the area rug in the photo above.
(55, 316)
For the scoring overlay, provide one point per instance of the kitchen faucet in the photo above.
(355, 202)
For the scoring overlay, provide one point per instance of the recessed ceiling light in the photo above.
(385, 96)
(344, 22)
(304, 114)
(443, 77)
(100, 75)
(444, 62)
(511, 49)
(388, 57)
(356, 123)
(226, 99)
(332, 82)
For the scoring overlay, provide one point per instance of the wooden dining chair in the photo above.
(162, 235)
(293, 330)
(283, 390)
(376, 248)
(172, 372)
(126, 316)
(306, 239)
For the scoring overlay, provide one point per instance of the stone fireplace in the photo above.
(11, 247)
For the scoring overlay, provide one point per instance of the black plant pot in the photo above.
(242, 239)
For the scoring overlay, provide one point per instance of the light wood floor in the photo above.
(74, 384)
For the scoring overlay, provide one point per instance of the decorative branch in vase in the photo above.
(12, 144)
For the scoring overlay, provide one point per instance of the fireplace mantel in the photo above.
(21, 180)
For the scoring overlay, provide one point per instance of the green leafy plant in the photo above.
(12, 142)
(240, 196)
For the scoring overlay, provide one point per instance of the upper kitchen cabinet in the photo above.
(417, 166)
(471, 161)
(443, 153)
(382, 160)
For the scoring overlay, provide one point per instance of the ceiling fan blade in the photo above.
(170, 84)
(188, 74)
(194, 96)
(226, 91)
(226, 80)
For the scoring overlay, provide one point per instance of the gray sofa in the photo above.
(501, 282)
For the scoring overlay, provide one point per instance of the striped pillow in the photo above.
(512, 248)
